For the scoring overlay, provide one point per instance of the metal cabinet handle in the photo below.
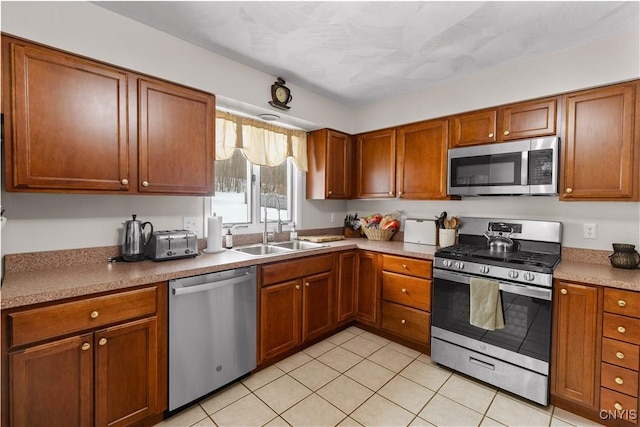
(620, 355)
(506, 132)
(622, 303)
(617, 406)
(391, 193)
(306, 284)
(619, 380)
(124, 182)
(145, 183)
(621, 329)
(102, 341)
(403, 321)
(330, 192)
(86, 346)
(297, 286)
(563, 291)
(490, 135)
(405, 266)
(569, 190)
(94, 314)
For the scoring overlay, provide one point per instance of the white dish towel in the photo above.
(485, 304)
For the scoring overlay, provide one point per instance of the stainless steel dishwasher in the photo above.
(212, 332)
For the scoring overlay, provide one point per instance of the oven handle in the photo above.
(512, 288)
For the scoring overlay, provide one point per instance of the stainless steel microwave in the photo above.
(524, 167)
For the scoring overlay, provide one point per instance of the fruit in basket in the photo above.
(392, 224)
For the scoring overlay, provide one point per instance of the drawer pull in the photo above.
(617, 406)
(102, 341)
(94, 314)
(622, 303)
(297, 286)
(621, 329)
(403, 321)
(563, 291)
(86, 346)
(569, 190)
(145, 183)
(405, 266)
(306, 284)
(506, 132)
(404, 291)
(620, 355)
(619, 381)
(124, 181)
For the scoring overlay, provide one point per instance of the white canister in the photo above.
(447, 237)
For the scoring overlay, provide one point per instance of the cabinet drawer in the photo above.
(406, 290)
(623, 406)
(622, 302)
(289, 270)
(620, 353)
(620, 379)
(60, 319)
(410, 266)
(407, 322)
(621, 328)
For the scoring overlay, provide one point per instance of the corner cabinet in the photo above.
(421, 160)
(74, 125)
(98, 361)
(600, 148)
(330, 155)
(376, 164)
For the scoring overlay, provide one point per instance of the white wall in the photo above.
(40, 222)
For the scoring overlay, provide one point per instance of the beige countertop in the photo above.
(51, 284)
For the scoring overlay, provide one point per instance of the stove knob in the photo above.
(529, 276)
(459, 265)
(513, 274)
(484, 269)
(446, 263)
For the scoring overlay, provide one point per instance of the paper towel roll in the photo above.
(214, 236)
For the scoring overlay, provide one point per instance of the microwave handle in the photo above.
(524, 168)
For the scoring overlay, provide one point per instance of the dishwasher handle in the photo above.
(211, 285)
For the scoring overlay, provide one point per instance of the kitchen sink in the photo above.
(278, 248)
(261, 249)
(299, 245)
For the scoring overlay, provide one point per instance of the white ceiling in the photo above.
(363, 51)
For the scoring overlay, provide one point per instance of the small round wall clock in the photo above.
(280, 95)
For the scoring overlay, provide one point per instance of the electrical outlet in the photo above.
(191, 223)
(333, 217)
(590, 231)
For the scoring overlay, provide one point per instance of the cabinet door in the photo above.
(339, 157)
(64, 367)
(473, 128)
(346, 292)
(575, 359)
(422, 160)
(66, 127)
(280, 318)
(317, 310)
(376, 164)
(528, 120)
(599, 145)
(126, 370)
(176, 139)
(368, 295)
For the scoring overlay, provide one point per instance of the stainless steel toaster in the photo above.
(172, 244)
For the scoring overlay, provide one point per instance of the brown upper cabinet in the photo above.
(599, 146)
(421, 160)
(73, 125)
(376, 164)
(330, 155)
(510, 122)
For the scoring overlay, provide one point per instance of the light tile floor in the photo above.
(355, 378)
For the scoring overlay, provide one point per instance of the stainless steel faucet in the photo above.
(266, 236)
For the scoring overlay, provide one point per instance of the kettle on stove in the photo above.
(134, 241)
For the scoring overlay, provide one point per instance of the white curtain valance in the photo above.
(261, 143)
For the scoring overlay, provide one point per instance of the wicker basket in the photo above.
(378, 234)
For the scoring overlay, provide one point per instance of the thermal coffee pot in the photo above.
(133, 239)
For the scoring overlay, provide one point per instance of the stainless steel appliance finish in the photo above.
(212, 332)
(525, 167)
(174, 244)
(515, 358)
(134, 241)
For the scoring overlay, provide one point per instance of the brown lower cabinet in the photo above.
(296, 304)
(346, 307)
(368, 288)
(103, 361)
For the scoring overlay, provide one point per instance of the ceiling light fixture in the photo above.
(268, 117)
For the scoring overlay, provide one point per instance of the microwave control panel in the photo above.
(541, 167)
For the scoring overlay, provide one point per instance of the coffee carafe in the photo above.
(133, 239)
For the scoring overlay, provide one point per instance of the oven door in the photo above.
(524, 341)
(489, 169)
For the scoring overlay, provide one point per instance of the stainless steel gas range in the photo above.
(518, 258)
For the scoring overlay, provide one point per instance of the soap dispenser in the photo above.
(293, 234)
